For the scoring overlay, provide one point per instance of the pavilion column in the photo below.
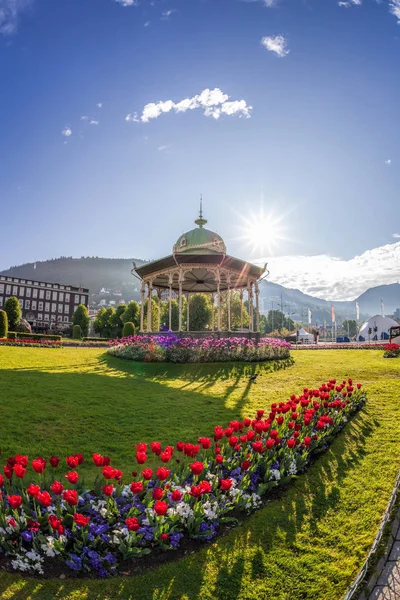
(257, 307)
(149, 295)
(212, 311)
(170, 308)
(218, 303)
(159, 310)
(187, 312)
(241, 310)
(180, 302)
(229, 308)
(250, 296)
(142, 292)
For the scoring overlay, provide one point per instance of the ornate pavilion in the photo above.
(199, 263)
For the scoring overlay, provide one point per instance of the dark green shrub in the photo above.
(77, 332)
(13, 310)
(32, 336)
(12, 335)
(81, 318)
(96, 339)
(3, 324)
(129, 329)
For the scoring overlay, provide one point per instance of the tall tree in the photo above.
(99, 321)
(116, 320)
(13, 309)
(350, 327)
(199, 312)
(235, 311)
(131, 313)
(154, 314)
(81, 318)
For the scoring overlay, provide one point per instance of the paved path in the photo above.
(388, 585)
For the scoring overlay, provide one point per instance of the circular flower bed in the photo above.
(391, 351)
(47, 515)
(163, 348)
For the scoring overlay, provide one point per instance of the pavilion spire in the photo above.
(200, 221)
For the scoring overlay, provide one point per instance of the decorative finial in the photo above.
(200, 221)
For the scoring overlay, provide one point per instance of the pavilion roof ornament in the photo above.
(200, 240)
(200, 221)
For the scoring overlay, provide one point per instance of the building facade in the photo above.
(44, 305)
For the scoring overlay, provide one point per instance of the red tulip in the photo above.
(44, 498)
(160, 508)
(72, 477)
(108, 489)
(57, 487)
(32, 490)
(81, 520)
(132, 524)
(14, 501)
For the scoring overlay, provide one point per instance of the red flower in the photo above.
(136, 487)
(12, 522)
(32, 490)
(270, 443)
(204, 487)
(44, 498)
(260, 413)
(70, 497)
(106, 460)
(72, 461)
(180, 446)
(225, 484)
(21, 460)
(81, 519)
(157, 493)
(72, 477)
(247, 422)
(108, 489)
(162, 473)
(219, 459)
(205, 442)
(166, 456)
(56, 524)
(57, 487)
(176, 496)
(258, 447)
(291, 442)
(160, 508)
(98, 460)
(245, 465)
(132, 524)
(141, 457)
(359, 385)
(39, 464)
(280, 420)
(196, 468)
(19, 470)
(233, 440)
(109, 472)
(164, 537)
(156, 448)
(1, 480)
(54, 460)
(147, 473)
(307, 441)
(33, 525)
(14, 501)
(141, 447)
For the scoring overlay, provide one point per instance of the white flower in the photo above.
(275, 474)
(292, 468)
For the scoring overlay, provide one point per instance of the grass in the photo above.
(307, 545)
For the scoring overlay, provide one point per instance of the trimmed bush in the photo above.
(81, 318)
(77, 333)
(3, 324)
(13, 310)
(129, 329)
(96, 339)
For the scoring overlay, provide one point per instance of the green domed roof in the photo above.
(200, 240)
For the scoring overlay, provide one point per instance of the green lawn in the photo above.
(308, 545)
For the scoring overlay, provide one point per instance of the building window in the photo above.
(46, 317)
(61, 287)
(1, 288)
(83, 300)
(41, 294)
(56, 286)
(21, 303)
(47, 307)
(60, 307)
(53, 318)
(8, 289)
(40, 316)
(48, 295)
(40, 305)
(53, 307)
(59, 318)
(21, 291)
(66, 308)
(68, 288)
(34, 292)
(34, 304)
(65, 319)
(54, 296)
(42, 284)
(66, 297)
(28, 292)
(27, 304)
(76, 298)
(15, 290)
(48, 284)
(1, 300)
(61, 297)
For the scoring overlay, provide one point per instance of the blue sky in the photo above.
(309, 134)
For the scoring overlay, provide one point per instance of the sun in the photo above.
(263, 232)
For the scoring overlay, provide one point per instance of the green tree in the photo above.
(131, 313)
(13, 309)
(3, 324)
(109, 317)
(350, 326)
(98, 323)
(77, 332)
(154, 315)
(81, 318)
(235, 311)
(116, 320)
(199, 312)
(174, 315)
(128, 329)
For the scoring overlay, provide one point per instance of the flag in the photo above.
(324, 323)
(357, 311)
(309, 316)
(382, 308)
(333, 313)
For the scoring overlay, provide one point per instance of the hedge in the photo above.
(13, 335)
(96, 339)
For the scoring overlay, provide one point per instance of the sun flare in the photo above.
(263, 232)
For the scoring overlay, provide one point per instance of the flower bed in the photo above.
(46, 514)
(32, 343)
(159, 348)
(391, 351)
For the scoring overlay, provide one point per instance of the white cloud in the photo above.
(396, 235)
(214, 103)
(10, 11)
(167, 13)
(127, 2)
(334, 278)
(162, 148)
(94, 122)
(394, 8)
(99, 105)
(84, 118)
(67, 131)
(146, 24)
(276, 44)
(388, 161)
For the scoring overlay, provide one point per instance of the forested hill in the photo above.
(90, 272)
